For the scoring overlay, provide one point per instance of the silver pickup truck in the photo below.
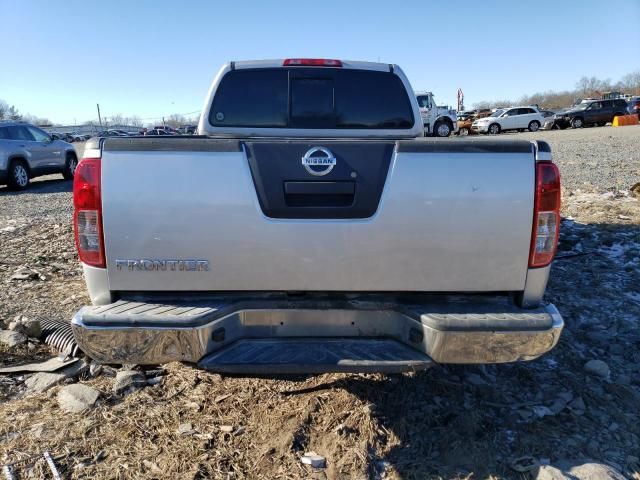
(310, 229)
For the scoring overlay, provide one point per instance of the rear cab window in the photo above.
(311, 98)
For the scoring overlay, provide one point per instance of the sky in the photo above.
(154, 58)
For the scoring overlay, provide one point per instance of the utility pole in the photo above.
(99, 117)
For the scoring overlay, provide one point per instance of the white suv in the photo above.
(514, 118)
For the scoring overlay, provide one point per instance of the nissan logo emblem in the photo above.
(318, 161)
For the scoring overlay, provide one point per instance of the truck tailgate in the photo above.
(430, 216)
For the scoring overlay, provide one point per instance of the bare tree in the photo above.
(40, 121)
(116, 119)
(631, 82)
(588, 86)
(13, 113)
(585, 87)
(8, 111)
(175, 120)
(134, 121)
(492, 104)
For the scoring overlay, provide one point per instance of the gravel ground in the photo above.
(555, 418)
(600, 158)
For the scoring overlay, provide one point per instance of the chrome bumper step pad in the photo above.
(315, 355)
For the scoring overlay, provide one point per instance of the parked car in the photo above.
(166, 128)
(157, 131)
(437, 121)
(121, 133)
(315, 231)
(80, 137)
(549, 120)
(188, 129)
(465, 121)
(27, 151)
(593, 112)
(65, 137)
(112, 133)
(514, 118)
(634, 106)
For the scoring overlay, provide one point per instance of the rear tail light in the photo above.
(87, 215)
(546, 215)
(311, 62)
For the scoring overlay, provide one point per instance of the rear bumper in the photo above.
(455, 330)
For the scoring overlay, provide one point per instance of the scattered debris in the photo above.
(577, 406)
(186, 429)
(524, 464)
(226, 428)
(220, 398)
(12, 339)
(27, 326)
(542, 411)
(77, 398)
(475, 379)
(576, 470)
(76, 369)
(128, 381)
(51, 365)
(28, 463)
(43, 381)
(25, 274)
(598, 368)
(52, 466)
(153, 467)
(59, 335)
(313, 459)
(8, 472)
(95, 369)
(560, 403)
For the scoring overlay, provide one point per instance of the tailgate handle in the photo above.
(319, 194)
(319, 188)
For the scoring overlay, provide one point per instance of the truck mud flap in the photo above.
(315, 355)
